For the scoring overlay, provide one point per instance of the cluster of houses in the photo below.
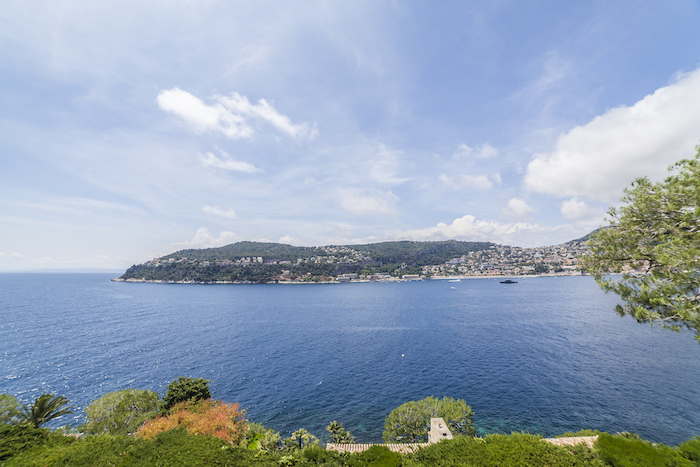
(501, 260)
(498, 260)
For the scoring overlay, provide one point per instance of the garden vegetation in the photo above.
(195, 430)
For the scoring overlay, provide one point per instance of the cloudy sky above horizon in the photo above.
(129, 130)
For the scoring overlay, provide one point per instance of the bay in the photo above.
(546, 355)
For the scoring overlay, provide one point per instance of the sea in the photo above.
(546, 356)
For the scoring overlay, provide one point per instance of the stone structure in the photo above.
(438, 431)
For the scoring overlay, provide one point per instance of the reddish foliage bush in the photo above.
(208, 418)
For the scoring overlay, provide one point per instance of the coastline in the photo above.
(392, 279)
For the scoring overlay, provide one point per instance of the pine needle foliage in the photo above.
(654, 243)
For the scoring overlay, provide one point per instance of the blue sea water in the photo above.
(546, 355)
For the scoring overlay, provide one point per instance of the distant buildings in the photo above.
(498, 260)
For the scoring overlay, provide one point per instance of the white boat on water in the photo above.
(455, 280)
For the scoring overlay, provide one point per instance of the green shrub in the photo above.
(121, 412)
(317, 455)
(15, 439)
(339, 434)
(625, 450)
(10, 409)
(299, 440)
(184, 389)
(258, 437)
(515, 450)
(691, 450)
(172, 448)
(376, 456)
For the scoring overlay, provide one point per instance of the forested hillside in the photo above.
(265, 262)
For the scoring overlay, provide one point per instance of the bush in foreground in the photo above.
(172, 448)
(691, 450)
(186, 388)
(121, 412)
(631, 451)
(10, 409)
(515, 450)
(18, 438)
(207, 418)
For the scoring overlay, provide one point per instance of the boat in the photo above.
(508, 281)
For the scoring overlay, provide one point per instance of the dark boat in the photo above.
(508, 281)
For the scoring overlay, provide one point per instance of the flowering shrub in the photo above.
(208, 418)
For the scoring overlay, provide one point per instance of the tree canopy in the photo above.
(410, 422)
(121, 412)
(186, 388)
(654, 242)
(339, 434)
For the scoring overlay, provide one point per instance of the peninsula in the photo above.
(257, 262)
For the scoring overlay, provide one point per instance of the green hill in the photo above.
(264, 262)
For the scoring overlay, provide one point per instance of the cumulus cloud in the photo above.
(602, 157)
(464, 181)
(204, 239)
(225, 162)
(288, 240)
(217, 211)
(373, 202)
(516, 209)
(482, 151)
(470, 228)
(577, 210)
(229, 114)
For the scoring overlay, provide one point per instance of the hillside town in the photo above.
(502, 260)
(347, 264)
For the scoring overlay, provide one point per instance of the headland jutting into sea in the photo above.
(254, 262)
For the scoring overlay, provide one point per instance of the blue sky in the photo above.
(129, 130)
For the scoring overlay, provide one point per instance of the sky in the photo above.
(131, 129)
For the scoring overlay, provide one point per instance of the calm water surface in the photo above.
(546, 355)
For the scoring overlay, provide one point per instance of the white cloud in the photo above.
(288, 240)
(463, 181)
(384, 166)
(209, 159)
(470, 228)
(14, 254)
(602, 157)
(576, 210)
(516, 209)
(238, 104)
(228, 213)
(482, 151)
(203, 117)
(204, 239)
(374, 202)
(229, 115)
